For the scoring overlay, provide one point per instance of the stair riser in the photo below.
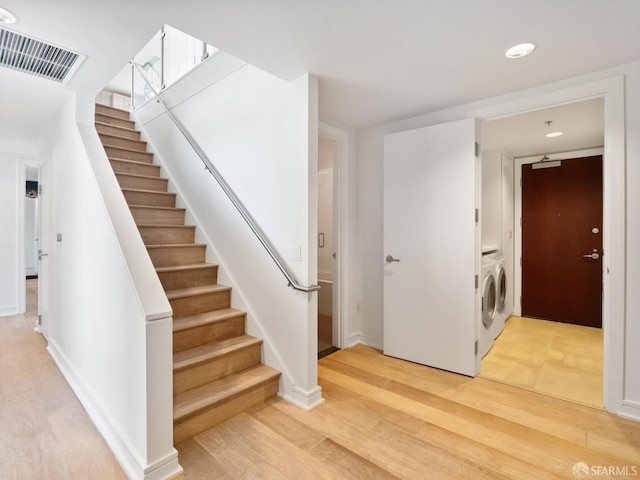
(118, 142)
(219, 413)
(114, 112)
(150, 199)
(195, 304)
(189, 278)
(194, 337)
(149, 216)
(142, 183)
(118, 132)
(167, 235)
(170, 256)
(206, 372)
(135, 168)
(114, 152)
(120, 122)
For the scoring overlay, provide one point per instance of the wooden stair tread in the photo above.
(111, 135)
(179, 268)
(209, 351)
(151, 207)
(193, 401)
(140, 190)
(134, 162)
(137, 175)
(192, 321)
(191, 291)
(168, 225)
(116, 110)
(118, 127)
(176, 245)
(132, 150)
(115, 141)
(110, 114)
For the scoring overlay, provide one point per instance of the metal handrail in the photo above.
(253, 225)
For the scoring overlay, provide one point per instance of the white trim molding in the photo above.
(630, 410)
(614, 213)
(359, 338)
(307, 400)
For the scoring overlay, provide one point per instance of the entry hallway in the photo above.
(383, 418)
(558, 359)
(44, 431)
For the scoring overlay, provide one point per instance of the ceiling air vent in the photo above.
(34, 57)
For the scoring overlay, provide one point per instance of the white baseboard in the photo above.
(167, 467)
(358, 338)
(8, 311)
(306, 400)
(164, 468)
(630, 410)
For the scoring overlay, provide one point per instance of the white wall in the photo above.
(371, 207)
(508, 228)
(10, 238)
(261, 133)
(112, 344)
(491, 213)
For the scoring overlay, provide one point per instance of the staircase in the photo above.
(216, 367)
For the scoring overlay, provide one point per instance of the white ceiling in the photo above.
(377, 61)
(524, 135)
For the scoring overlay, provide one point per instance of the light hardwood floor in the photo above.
(383, 418)
(553, 358)
(386, 418)
(44, 431)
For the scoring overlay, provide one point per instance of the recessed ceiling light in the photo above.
(520, 50)
(7, 17)
(554, 134)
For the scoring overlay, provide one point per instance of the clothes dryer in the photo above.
(488, 316)
(502, 284)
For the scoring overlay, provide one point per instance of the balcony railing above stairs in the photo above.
(246, 215)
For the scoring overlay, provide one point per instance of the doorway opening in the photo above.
(546, 351)
(327, 252)
(31, 223)
(29, 240)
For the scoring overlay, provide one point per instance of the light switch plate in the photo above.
(295, 253)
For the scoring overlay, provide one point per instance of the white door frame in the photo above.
(21, 282)
(614, 214)
(341, 220)
(20, 252)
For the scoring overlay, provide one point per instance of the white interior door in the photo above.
(430, 295)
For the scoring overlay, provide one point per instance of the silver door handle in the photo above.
(593, 256)
(390, 259)
(42, 254)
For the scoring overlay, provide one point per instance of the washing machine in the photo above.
(502, 283)
(489, 296)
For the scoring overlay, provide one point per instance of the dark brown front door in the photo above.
(561, 230)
